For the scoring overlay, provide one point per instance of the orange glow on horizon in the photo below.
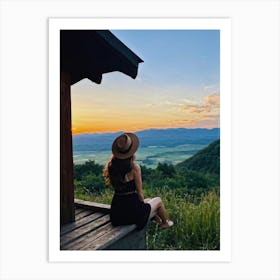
(100, 113)
(96, 129)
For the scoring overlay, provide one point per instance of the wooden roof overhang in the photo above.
(84, 54)
(90, 53)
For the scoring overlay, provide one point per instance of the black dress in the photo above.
(127, 208)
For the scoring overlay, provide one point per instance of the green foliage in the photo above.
(167, 170)
(196, 220)
(190, 192)
(184, 181)
(104, 197)
(93, 183)
(196, 226)
(207, 160)
(88, 178)
(89, 167)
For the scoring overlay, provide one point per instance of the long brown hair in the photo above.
(115, 171)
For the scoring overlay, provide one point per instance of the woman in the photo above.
(124, 174)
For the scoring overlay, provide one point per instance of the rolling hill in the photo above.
(207, 160)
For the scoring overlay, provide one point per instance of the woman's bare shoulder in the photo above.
(136, 167)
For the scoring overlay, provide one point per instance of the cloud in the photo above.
(209, 104)
(202, 114)
(184, 123)
(164, 104)
(211, 88)
(212, 117)
(212, 100)
(192, 109)
(150, 105)
(189, 101)
(209, 121)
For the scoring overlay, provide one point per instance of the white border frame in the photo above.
(222, 24)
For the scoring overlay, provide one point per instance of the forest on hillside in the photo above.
(190, 191)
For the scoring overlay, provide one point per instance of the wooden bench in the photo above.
(92, 230)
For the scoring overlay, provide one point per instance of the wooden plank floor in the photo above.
(76, 235)
(92, 230)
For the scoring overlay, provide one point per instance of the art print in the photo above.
(170, 87)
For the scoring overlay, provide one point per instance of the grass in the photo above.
(196, 226)
(196, 221)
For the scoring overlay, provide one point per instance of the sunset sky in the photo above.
(178, 85)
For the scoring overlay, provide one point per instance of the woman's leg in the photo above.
(156, 217)
(157, 205)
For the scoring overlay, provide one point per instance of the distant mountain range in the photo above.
(170, 137)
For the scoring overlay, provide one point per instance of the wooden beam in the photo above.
(94, 206)
(67, 208)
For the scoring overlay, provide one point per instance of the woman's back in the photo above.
(126, 208)
(125, 187)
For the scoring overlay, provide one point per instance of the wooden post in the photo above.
(67, 208)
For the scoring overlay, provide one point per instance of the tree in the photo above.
(89, 167)
(167, 170)
(93, 183)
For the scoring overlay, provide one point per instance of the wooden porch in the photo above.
(86, 225)
(92, 230)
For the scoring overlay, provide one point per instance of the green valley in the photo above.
(190, 191)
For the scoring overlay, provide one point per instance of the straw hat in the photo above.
(125, 145)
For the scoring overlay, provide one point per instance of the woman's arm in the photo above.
(138, 181)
